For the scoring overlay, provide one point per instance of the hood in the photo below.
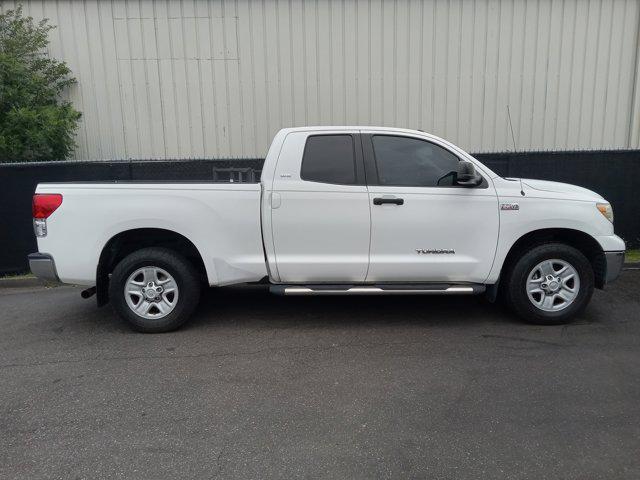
(567, 190)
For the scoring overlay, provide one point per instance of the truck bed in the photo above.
(222, 220)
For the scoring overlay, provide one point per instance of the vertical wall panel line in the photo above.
(370, 59)
(230, 125)
(317, 32)
(633, 137)
(214, 86)
(94, 101)
(160, 80)
(125, 134)
(201, 85)
(419, 122)
(584, 63)
(253, 75)
(535, 78)
(555, 117)
(345, 105)
(484, 76)
(292, 62)
(432, 73)
(608, 40)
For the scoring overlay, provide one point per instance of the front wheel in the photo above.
(154, 289)
(550, 284)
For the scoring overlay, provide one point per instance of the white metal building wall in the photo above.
(195, 78)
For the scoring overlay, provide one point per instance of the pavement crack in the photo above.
(295, 349)
(528, 340)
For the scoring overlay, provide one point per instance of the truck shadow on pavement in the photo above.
(254, 307)
(251, 306)
(245, 306)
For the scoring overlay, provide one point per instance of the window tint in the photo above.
(412, 162)
(329, 159)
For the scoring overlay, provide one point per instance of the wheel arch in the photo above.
(128, 241)
(581, 241)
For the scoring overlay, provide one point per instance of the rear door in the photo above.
(424, 228)
(320, 217)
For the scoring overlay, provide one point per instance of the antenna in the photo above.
(513, 139)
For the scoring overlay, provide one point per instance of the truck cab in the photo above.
(376, 205)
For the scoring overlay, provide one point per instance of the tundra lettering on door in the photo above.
(434, 251)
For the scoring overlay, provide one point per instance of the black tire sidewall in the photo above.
(178, 267)
(517, 293)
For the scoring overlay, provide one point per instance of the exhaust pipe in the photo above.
(89, 292)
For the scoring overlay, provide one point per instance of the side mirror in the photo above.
(466, 176)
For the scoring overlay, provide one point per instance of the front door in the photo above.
(424, 228)
(320, 211)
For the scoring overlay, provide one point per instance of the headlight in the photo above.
(606, 210)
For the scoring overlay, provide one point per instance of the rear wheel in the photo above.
(154, 290)
(550, 284)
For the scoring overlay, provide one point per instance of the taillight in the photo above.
(44, 204)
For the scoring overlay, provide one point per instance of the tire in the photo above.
(155, 271)
(550, 297)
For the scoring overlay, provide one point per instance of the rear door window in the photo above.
(329, 159)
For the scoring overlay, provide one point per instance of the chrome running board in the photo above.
(417, 289)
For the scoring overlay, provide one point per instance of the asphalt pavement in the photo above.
(259, 386)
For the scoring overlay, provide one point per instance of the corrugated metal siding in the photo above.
(168, 79)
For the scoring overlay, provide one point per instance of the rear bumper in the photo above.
(614, 262)
(43, 266)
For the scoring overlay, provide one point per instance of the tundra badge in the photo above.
(509, 206)
(435, 251)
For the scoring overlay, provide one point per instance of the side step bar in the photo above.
(412, 289)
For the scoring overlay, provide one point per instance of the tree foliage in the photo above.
(35, 124)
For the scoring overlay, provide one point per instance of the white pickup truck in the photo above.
(338, 211)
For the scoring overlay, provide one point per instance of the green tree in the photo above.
(35, 124)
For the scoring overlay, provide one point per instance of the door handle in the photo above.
(276, 200)
(392, 200)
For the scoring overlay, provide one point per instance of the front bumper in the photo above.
(43, 266)
(614, 262)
